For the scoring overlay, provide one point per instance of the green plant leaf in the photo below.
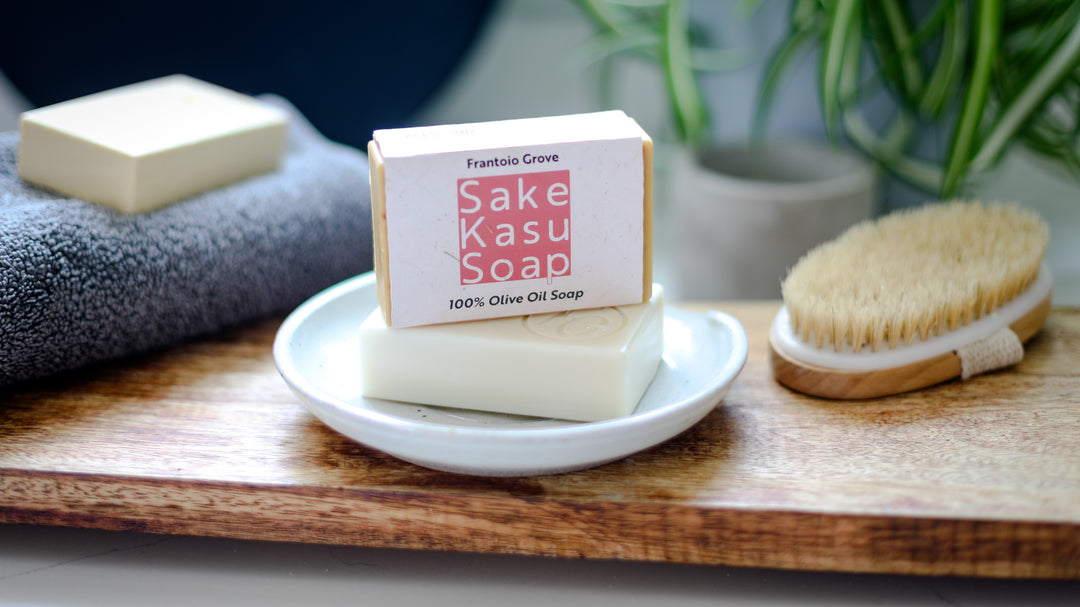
(923, 36)
(1028, 45)
(1061, 63)
(899, 133)
(847, 85)
(806, 23)
(843, 16)
(806, 15)
(965, 132)
(691, 114)
(1058, 142)
(618, 17)
(774, 72)
(604, 14)
(948, 71)
(1023, 13)
(896, 21)
(887, 151)
(890, 69)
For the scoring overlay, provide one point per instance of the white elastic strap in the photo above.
(995, 351)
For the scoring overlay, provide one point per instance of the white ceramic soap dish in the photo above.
(318, 354)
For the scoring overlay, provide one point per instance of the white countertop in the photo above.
(61, 566)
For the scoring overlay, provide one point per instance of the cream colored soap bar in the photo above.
(140, 147)
(480, 220)
(585, 365)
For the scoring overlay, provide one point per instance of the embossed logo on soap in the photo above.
(514, 227)
(576, 324)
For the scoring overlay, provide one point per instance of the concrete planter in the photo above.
(738, 217)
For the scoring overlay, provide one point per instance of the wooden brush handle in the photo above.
(841, 384)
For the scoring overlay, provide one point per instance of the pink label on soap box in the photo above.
(514, 227)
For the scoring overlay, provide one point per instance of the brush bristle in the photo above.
(913, 274)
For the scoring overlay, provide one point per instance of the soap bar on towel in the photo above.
(80, 282)
(139, 147)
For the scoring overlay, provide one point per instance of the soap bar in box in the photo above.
(584, 365)
(511, 217)
(137, 148)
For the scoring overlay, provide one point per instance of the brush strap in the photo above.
(994, 351)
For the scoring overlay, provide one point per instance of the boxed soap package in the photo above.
(512, 217)
(513, 264)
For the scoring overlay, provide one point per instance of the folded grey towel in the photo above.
(81, 283)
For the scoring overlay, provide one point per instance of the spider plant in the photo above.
(990, 72)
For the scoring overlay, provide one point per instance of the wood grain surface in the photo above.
(977, 477)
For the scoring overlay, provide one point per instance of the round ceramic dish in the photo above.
(317, 353)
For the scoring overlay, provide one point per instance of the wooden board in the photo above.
(968, 478)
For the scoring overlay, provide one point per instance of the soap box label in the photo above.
(514, 227)
(514, 217)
